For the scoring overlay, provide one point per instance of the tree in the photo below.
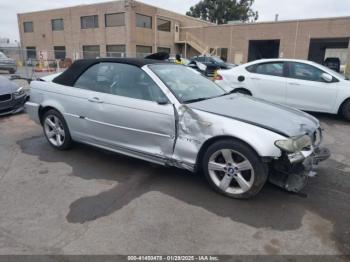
(222, 11)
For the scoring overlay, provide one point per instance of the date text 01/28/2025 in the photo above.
(173, 258)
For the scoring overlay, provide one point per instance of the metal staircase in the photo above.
(194, 42)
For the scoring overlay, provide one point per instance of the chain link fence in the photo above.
(31, 63)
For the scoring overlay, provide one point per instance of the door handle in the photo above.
(294, 84)
(95, 100)
(255, 78)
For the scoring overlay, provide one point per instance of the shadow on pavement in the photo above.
(328, 194)
(330, 118)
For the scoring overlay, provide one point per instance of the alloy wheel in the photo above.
(231, 171)
(54, 130)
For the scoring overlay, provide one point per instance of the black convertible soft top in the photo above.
(71, 75)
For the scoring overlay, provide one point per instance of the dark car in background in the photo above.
(206, 65)
(12, 97)
(7, 64)
(212, 63)
(332, 63)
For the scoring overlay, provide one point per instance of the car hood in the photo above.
(6, 86)
(284, 120)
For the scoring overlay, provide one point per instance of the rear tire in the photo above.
(12, 71)
(56, 130)
(234, 169)
(345, 110)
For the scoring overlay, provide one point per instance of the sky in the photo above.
(287, 9)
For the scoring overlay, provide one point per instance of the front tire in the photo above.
(232, 168)
(345, 110)
(56, 130)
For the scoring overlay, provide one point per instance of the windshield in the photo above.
(187, 85)
(218, 60)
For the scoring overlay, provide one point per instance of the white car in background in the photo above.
(297, 83)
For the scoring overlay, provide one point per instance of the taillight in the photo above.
(218, 77)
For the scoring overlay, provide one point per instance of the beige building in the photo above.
(303, 39)
(130, 28)
(106, 29)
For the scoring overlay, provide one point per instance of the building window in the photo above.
(31, 52)
(28, 27)
(60, 52)
(163, 50)
(57, 24)
(223, 53)
(163, 25)
(143, 21)
(142, 51)
(89, 21)
(112, 20)
(91, 51)
(115, 50)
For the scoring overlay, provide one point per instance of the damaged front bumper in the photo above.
(292, 171)
(13, 106)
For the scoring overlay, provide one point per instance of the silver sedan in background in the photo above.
(170, 115)
(7, 64)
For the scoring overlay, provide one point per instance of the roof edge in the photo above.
(275, 22)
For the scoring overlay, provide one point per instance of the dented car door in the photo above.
(125, 110)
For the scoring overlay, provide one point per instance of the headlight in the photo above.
(19, 92)
(294, 144)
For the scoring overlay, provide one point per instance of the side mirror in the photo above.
(327, 78)
(162, 100)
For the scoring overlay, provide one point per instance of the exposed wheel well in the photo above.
(342, 104)
(43, 110)
(211, 141)
(243, 90)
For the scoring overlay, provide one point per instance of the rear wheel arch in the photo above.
(57, 133)
(342, 104)
(341, 108)
(242, 90)
(44, 109)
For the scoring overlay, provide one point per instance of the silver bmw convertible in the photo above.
(171, 115)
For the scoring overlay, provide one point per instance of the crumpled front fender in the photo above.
(195, 127)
